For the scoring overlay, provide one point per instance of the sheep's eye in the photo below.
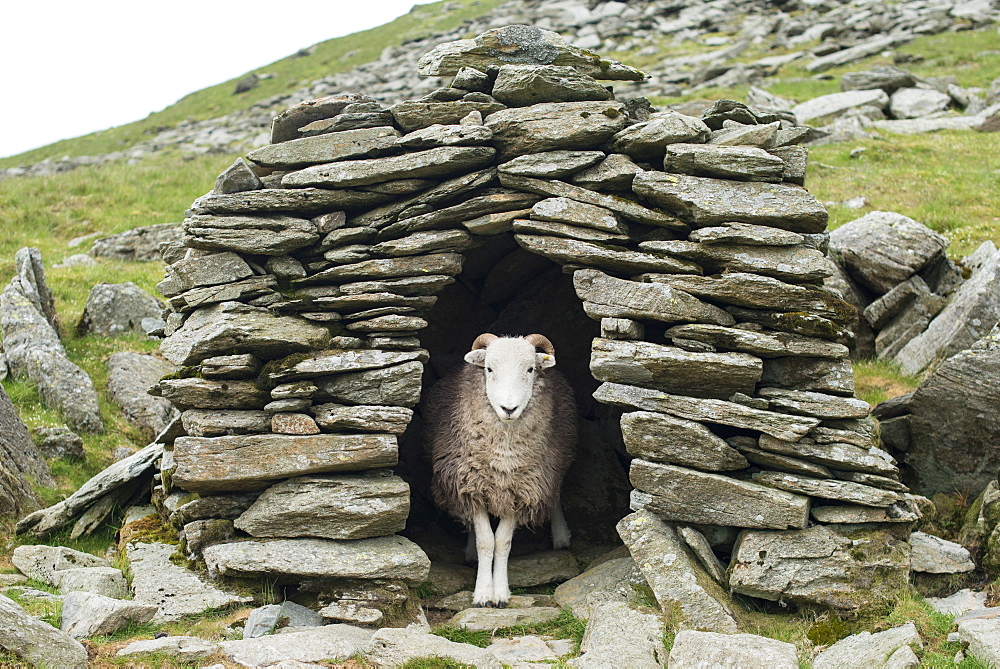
(531, 370)
(489, 369)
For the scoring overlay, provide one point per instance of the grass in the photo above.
(565, 626)
(878, 380)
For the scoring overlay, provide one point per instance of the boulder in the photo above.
(888, 78)
(43, 563)
(86, 614)
(859, 651)
(614, 580)
(730, 651)
(139, 244)
(130, 375)
(835, 104)
(37, 642)
(60, 442)
(982, 639)
(106, 581)
(619, 636)
(935, 555)
(917, 102)
(20, 461)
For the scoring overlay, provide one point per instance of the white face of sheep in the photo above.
(511, 365)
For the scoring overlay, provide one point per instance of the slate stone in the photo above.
(869, 650)
(610, 581)
(43, 563)
(614, 173)
(555, 125)
(796, 159)
(129, 377)
(934, 555)
(706, 202)
(693, 648)
(299, 201)
(389, 268)
(330, 507)
(86, 614)
(241, 366)
(607, 257)
(883, 249)
(183, 648)
(904, 511)
(336, 361)
(747, 447)
(293, 423)
(677, 494)
(337, 417)
(36, 641)
(240, 291)
(231, 327)
(286, 125)
(610, 297)
(297, 647)
(431, 163)
(245, 462)
(743, 163)
(326, 148)
(488, 619)
(397, 646)
(398, 385)
(617, 635)
(565, 210)
(835, 104)
(842, 491)
(430, 241)
(888, 78)
(745, 234)
(822, 375)
(471, 79)
(536, 569)
(662, 438)
(982, 639)
(880, 312)
(266, 619)
(382, 557)
(445, 135)
(917, 102)
(551, 164)
(819, 405)
(208, 394)
(551, 229)
(648, 139)
(738, 134)
(837, 454)
(622, 328)
(21, 462)
(523, 85)
(519, 44)
(760, 344)
(208, 270)
(797, 264)
(413, 115)
(262, 235)
(820, 565)
(408, 286)
(388, 323)
(444, 217)
(216, 422)
(706, 410)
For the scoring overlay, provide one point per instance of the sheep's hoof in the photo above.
(500, 605)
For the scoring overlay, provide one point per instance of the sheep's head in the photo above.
(511, 365)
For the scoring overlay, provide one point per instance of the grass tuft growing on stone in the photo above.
(878, 380)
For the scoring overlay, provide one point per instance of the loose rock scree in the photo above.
(501, 433)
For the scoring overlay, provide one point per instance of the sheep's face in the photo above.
(511, 366)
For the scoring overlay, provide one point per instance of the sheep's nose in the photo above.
(510, 412)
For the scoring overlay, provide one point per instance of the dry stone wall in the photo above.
(297, 298)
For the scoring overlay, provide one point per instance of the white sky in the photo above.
(72, 67)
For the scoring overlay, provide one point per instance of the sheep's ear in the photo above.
(476, 357)
(544, 360)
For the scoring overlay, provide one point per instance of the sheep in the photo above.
(501, 433)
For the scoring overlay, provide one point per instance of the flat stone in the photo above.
(983, 639)
(552, 229)
(706, 410)
(244, 291)
(798, 264)
(555, 125)
(523, 85)
(662, 438)
(867, 649)
(684, 495)
(388, 268)
(839, 455)
(293, 423)
(618, 635)
(521, 649)
(824, 375)
(674, 370)
(473, 207)
(759, 292)
(958, 603)
(431, 163)
(36, 641)
(541, 568)
(495, 224)
(43, 563)
(519, 44)
(182, 648)
(301, 201)
(551, 164)
(216, 422)
(565, 210)
(329, 507)
(211, 394)
(747, 448)
(265, 619)
(820, 565)
(612, 258)
(903, 511)
(242, 462)
(241, 366)
(85, 614)
(273, 235)
(835, 104)
(865, 48)
(314, 644)
(745, 234)
(677, 580)
(614, 173)
(612, 581)
(351, 612)
(706, 202)
(390, 557)
(388, 323)
(917, 102)
(237, 177)
(647, 140)
(175, 592)
(106, 581)
(487, 619)
(742, 163)
(610, 297)
(761, 344)
(620, 205)
(736, 134)
(337, 417)
(815, 404)
(424, 242)
(287, 124)
(446, 135)
(413, 115)
(326, 148)
(888, 78)
(337, 361)
(842, 491)
(399, 385)
(935, 555)
(394, 647)
(208, 270)
(693, 648)
(796, 322)
(413, 285)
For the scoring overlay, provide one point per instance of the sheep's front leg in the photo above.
(504, 535)
(483, 596)
(560, 530)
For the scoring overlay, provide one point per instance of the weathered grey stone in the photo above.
(880, 312)
(648, 139)
(118, 308)
(238, 177)
(820, 565)
(819, 405)
(266, 619)
(747, 446)
(381, 557)
(555, 125)
(761, 344)
(838, 455)
(487, 619)
(797, 264)
(527, 648)
(842, 491)
(336, 361)
(796, 159)
(565, 210)
(612, 581)
(208, 394)
(551, 164)
(743, 163)
(413, 115)
(130, 375)
(183, 648)
(910, 323)
(523, 85)
(424, 242)
(330, 507)
(620, 205)
(904, 511)
(705, 202)
(20, 461)
(730, 651)
(263, 235)
(171, 590)
(622, 328)
(43, 563)
(286, 125)
(395, 647)
(552, 229)
(85, 614)
(431, 163)
(519, 44)
(663, 438)
(983, 639)
(676, 579)
(745, 234)
(446, 135)
(243, 462)
(326, 148)
(138, 244)
(883, 248)
(618, 635)
(398, 385)
(972, 311)
(351, 612)
(388, 323)
(614, 173)
(835, 104)
(935, 555)
(610, 297)
(706, 410)
(216, 423)
(737, 134)
(917, 102)
(60, 442)
(690, 496)
(208, 270)
(36, 641)
(613, 258)
(293, 423)
(674, 370)
(888, 78)
(298, 201)
(389, 268)
(240, 366)
(106, 581)
(30, 282)
(541, 568)
(868, 650)
(316, 644)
